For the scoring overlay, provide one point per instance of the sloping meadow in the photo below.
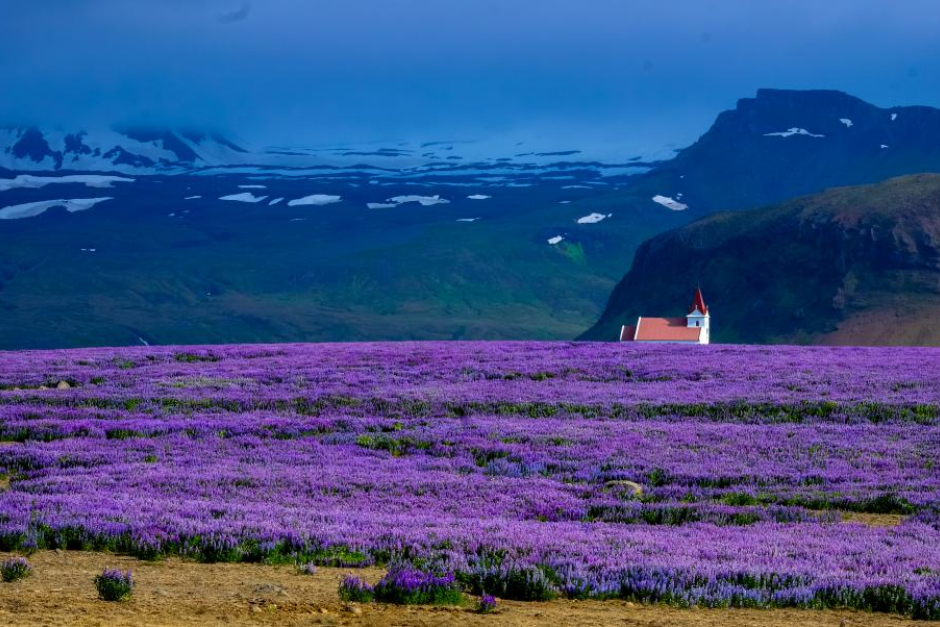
(689, 475)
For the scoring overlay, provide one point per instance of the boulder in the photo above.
(624, 488)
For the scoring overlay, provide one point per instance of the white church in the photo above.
(693, 329)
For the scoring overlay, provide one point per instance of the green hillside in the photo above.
(853, 265)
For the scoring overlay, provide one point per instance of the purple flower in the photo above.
(114, 585)
(714, 475)
(14, 569)
(406, 585)
(355, 590)
(487, 604)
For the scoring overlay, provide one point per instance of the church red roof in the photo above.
(698, 304)
(661, 330)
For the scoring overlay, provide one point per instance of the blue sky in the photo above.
(326, 71)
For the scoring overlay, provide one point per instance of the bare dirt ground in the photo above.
(874, 520)
(175, 593)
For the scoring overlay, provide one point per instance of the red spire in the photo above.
(698, 304)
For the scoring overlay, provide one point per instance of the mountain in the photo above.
(782, 144)
(159, 151)
(167, 236)
(129, 150)
(851, 265)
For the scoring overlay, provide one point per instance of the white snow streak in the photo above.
(37, 182)
(594, 218)
(425, 201)
(791, 132)
(316, 199)
(670, 203)
(244, 197)
(33, 209)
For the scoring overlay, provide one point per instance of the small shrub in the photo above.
(739, 499)
(408, 586)
(114, 585)
(353, 589)
(520, 583)
(487, 604)
(887, 503)
(307, 568)
(339, 556)
(192, 358)
(15, 569)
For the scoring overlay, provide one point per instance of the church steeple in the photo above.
(699, 317)
(698, 303)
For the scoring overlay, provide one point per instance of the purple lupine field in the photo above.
(715, 476)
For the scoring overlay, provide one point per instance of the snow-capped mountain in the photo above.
(133, 150)
(164, 151)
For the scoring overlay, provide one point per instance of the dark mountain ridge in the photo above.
(852, 265)
(782, 143)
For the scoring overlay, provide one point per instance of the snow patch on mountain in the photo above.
(244, 197)
(790, 132)
(315, 199)
(276, 201)
(555, 240)
(252, 187)
(479, 197)
(33, 209)
(425, 201)
(846, 121)
(594, 218)
(29, 181)
(670, 203)
(467, 219)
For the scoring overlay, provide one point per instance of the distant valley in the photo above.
(162, 237)
(181, 246)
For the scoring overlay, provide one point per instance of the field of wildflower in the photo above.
(713, 476)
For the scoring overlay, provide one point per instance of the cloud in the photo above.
(235, 15)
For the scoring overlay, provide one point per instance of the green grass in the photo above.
(234, 273)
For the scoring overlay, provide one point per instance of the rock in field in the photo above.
(624, 488)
